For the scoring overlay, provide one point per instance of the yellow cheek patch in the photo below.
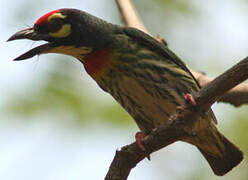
(64, 31)
(56, 15)
(76, 52)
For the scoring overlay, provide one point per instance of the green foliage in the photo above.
(239, 129)
(176, 5)
(63, 93)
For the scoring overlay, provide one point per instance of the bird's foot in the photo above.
(189, 98)
(139, 136)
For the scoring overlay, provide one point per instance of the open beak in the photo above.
(29, 33)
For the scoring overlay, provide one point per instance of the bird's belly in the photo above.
(147, 105)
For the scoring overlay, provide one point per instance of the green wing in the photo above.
(156, 46)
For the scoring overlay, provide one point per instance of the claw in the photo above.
(190, 98)
(139, 136)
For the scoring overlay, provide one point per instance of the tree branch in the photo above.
(237, 96)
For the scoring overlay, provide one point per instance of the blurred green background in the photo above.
(56, 123)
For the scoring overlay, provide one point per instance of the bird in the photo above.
(144, 76)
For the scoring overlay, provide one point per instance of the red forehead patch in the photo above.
(43, 19)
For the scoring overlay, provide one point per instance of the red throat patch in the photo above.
(43, 19)
(95, 61)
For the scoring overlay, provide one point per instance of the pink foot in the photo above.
(190, 98)
(139, 136)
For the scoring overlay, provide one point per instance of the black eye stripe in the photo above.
(52, 26)
(55, 24)
(40, 28)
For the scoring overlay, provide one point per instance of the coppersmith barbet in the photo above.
(147, 79)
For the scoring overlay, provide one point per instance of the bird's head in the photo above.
(67, 31)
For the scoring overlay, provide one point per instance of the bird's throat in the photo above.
(96, 62)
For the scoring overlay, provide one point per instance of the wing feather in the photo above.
(158, 47)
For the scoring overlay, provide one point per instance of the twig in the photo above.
(130, 15)
(237, 96)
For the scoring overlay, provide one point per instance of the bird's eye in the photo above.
(55, 25)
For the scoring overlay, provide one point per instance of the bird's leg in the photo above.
(189, 98)
(139, 136)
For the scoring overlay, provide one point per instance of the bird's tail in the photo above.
(230, 158)
(220, 153)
